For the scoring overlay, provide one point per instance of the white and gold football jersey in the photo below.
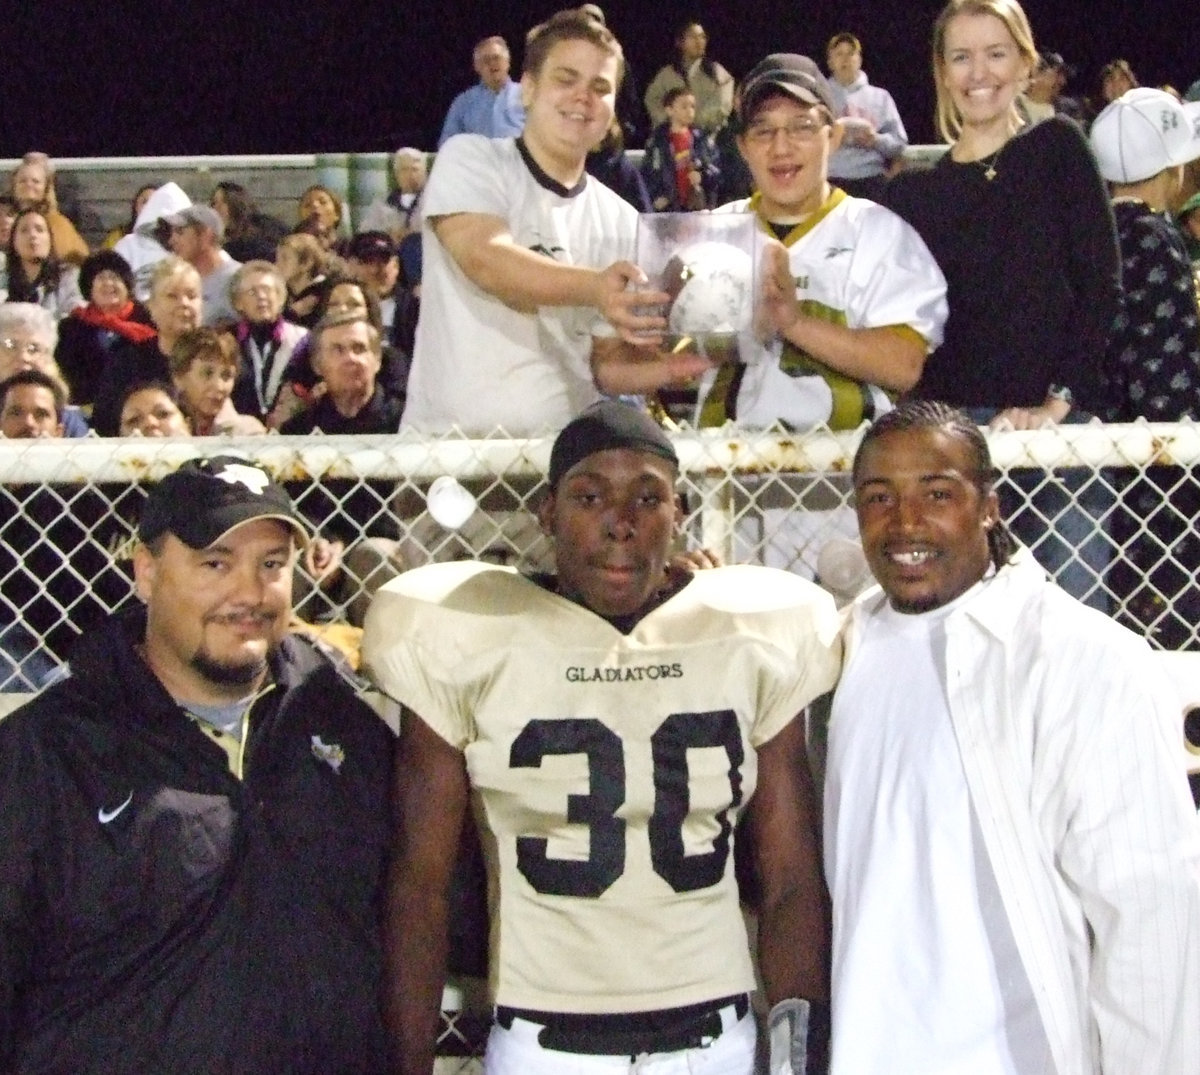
(607, 769)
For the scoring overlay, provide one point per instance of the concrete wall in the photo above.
(96, 192)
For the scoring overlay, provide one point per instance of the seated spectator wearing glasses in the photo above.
(197, 233)
(341, 295)
(873, 133)
(28, 338)
(854, 299)
(88, 336)
(204, 367)
(346, 354)
(266, 342)
(353, 517)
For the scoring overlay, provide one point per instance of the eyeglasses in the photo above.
(257, 289)
(796, 131)
(30, 347)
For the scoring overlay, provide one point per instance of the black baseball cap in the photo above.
(206, 498)
(789, 73)
(371, 246)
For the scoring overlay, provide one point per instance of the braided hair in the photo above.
(930, 414)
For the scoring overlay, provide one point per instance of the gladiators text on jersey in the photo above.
(579, 674)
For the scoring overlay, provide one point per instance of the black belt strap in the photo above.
(667, 1030)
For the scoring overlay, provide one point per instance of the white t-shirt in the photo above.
(214, 290)
(926, 975)
(478, 363)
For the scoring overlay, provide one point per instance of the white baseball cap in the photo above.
(1142, 132)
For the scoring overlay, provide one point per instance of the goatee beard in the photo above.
(229, 675)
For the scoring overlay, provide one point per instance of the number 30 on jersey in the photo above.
(597, 810)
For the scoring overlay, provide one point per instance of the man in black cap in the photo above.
(853, 298)
(611, 721)
(375, 262)
(194, 822)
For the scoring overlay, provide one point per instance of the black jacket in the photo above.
(84, 351)
(159, 915)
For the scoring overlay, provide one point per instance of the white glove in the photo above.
(789, 1027)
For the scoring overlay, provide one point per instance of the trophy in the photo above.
(708, 264)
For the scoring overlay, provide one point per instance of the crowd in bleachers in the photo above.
(210, 319)
(219, 859)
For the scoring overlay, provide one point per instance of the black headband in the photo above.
(604, 425)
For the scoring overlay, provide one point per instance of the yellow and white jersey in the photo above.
(607, 769)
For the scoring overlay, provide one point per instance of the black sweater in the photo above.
(1032, 268)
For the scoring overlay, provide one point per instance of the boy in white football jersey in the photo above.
(607, 725)
(853, 298)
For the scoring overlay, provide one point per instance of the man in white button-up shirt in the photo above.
(1009, 840)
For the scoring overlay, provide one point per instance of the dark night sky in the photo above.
(132, 78)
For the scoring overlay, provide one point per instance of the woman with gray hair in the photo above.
(28, 337)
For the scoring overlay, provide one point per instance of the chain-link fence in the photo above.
(1109, 510)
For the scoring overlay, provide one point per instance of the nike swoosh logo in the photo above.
(105, 816)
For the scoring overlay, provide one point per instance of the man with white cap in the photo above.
(197, 233)
(195, 821)
(1142, 140)
(1151, 366)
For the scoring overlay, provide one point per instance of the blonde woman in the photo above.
(1019, 221)
(175, 306)
(32, 186)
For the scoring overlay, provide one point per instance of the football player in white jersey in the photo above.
(607, 725)
(854, 301)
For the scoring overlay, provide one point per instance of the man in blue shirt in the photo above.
(493, 107)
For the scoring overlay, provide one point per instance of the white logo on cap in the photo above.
(251, 477)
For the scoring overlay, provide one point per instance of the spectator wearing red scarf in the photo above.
(87, 337)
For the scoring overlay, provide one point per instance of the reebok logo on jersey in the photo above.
(636, 674)
(105, 816)
(330, 753)
(834, 251)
